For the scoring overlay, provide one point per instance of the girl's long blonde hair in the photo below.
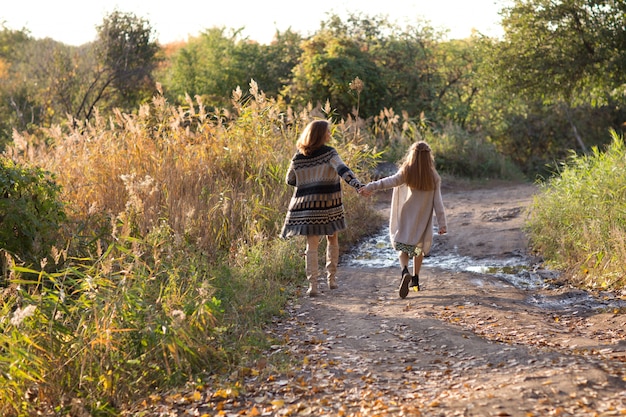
(419, 167)
(313, 137)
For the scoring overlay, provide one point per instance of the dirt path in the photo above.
(468, 344)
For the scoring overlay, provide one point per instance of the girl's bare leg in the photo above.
(417, 266)
(417, 263)
(404, 260)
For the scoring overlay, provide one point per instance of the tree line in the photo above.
(554, 83)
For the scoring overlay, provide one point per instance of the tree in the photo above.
(14, 104)
(274, 67)
(328, 65)
(214, 64)
(125, 54)
(395, 65)
(566, 52)
(331, 60)
(458, 62)
(409, 69)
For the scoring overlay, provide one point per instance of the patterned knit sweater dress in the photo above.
(316, 207)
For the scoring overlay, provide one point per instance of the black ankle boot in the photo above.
(403, 291)
(415, 282)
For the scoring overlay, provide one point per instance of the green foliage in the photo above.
(197, 69)
(465, 155)
(31, 212)
(15, 104)
(551, 85)
(555, 49)
(536, 136)
(43, 81)
(409, 71)
(216, 63)
(329, 63)
(138, 316)
(273, 70)
(395, 67)
(46, 81)
(578, 221)
(458, 63)
(458, 152)
(11, 41)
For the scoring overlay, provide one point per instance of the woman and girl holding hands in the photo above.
(316, 207)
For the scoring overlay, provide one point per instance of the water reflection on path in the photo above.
(376, 252)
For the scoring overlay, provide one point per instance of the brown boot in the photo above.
(332, 259)
(311, 272)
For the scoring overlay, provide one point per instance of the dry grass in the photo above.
(174, 215)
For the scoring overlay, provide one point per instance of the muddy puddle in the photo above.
(516, 270)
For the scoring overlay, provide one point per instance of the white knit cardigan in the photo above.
(411, 216)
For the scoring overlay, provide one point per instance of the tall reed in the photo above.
(578, 220)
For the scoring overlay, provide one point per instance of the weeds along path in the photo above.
(469, 344)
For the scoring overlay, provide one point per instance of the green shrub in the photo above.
(578, 220)
(30, 210)
(458, 153)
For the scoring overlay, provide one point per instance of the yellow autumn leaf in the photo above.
(277, 403)
(226, 393)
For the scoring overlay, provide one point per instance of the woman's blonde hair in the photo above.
(419, 167)
(313, 137)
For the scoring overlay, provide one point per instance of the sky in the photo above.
(74, 21)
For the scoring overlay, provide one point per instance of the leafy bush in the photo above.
(30, 210)
(578, 220)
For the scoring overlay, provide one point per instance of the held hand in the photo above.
(364, 192)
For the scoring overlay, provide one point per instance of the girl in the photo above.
(316, 207)
(416, 193)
